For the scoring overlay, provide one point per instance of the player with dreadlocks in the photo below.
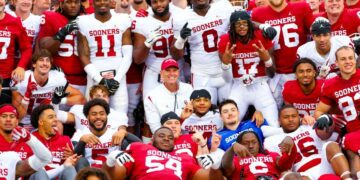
(248, 51)
(58, 34)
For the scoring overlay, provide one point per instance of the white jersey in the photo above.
(42, 94)
(96, 154)
(32, 26)
(308, 50)
(206, 31)
(208, 123)
(115, 118)
(8, 161)
(160, 51)
(310, 153)
(105, 40)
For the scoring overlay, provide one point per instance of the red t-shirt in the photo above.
(304, 103)
(345, 94)
(66, 58)
(13, 36)
(292, 24)
(245, 57)
(151, 163)
(21, 148)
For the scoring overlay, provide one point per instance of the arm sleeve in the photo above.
(25, 46)
(286, 161)
(152, 114)
(125, 63)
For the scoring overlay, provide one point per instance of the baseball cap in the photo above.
(8, 109)
(320, 27)
(199, 94)
(239, 15)
(169, 116)
(169, 63)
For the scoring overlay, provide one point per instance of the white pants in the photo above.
(257, 94)
(119, 101)
(277, 85)
(217, 87)
(150, 81)
(134, 99)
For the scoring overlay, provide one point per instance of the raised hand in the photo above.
(119, 157)
(185, 32)
(20, 134)
(59, 93)
(263, 53)
(286, 145)
(153, 37)
(228, 53)
(187, 110)
(31, 86)
(268, 31)
(67, 29)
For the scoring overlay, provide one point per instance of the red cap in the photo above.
(169, 63)
(8, 109)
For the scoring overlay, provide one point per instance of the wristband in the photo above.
(225, 66)
(180, 43)
(268, 63)
(91, 70)
(62, 116)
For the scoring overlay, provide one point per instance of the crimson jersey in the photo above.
(345, 94)
(13, 36)
(151, 163)
(245, 57)
(347, 23)
(261, 165)
(56, 145)
(292, 25)
(22, 149)
(184, 144)
(304, 103)
(67, 56)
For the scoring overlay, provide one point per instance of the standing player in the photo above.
(58, 35)
(40, 86)
(153, 36)
(104, 44)
(253, 162)
(304, 92)
(322, 49)
(11, 165)
(315, 156)
(292, 22)
(248, 53)
(156, 160)
(344, 22)
(341, 91)
(201, 26)
(12, 35)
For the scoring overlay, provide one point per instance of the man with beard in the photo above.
(105, 50)
(12, 36)
(58, 35)
(153, 36)
(248, 53)
(322, 49)
(156, 160)
(304, 92)
(44, 119)
(95, 143)
(11, 165)
(292, 22)
(42, 86)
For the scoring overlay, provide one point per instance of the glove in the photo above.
(324, 70)
(59, 93)
(324, 121)
(31, 86)
(247, 79)
(268, 31)
(142, 13)
(111, 84)
(205, 161)
(119, 157)
(67, 29)
(153, 37)
(185, 32)
(20, 134)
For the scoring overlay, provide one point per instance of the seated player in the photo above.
(314, 155)
(199, 114)
(155, 161)
(253, 162)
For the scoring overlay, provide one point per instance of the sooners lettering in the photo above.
(99, 146)
(339, 33)
(191, 128)
(166, 31)
(256, 159)
(4, 171)
(104, 32)
(246, 55)
(346, 91)
(5, 34)
(161, 154)
(285, 20)
(209, 25)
